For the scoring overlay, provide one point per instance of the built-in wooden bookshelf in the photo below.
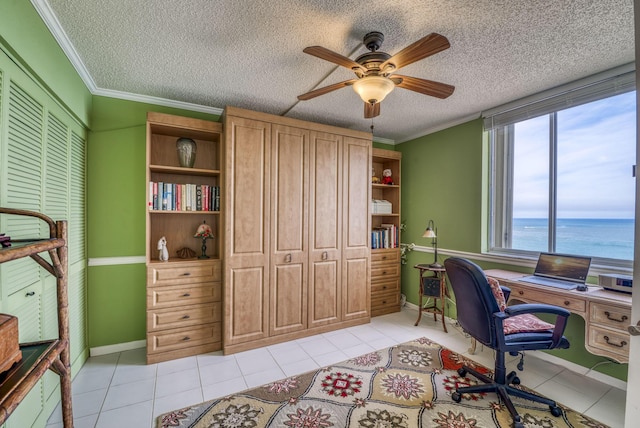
(385, 234)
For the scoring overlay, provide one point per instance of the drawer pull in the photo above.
(384, 302)
(186, 295)
(186, 274)
(184, 339)
(609, 317)
(521, 292)
(384, 272)
(567, 303)
(384, 257)
(384, 287)
(185, 317)
(30, 293)
(617, 345)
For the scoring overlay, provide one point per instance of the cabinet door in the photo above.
(356, 167)
(289, 223)
(247, 212)
(325, 227)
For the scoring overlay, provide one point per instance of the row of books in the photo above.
(385, 236)
(183, 197)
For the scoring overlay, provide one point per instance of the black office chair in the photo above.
(481, 317)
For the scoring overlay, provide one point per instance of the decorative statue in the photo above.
(162, 247)
(386, 177)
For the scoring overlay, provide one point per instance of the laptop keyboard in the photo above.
(551, 282)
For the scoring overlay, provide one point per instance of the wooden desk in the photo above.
(606, 313)
(435, 292)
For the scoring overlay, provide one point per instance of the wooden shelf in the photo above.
(38, 357)
(180, 170)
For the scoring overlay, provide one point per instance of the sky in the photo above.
(596, 152)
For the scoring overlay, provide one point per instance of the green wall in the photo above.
(116, 211)
(28, 40)
(444, 178)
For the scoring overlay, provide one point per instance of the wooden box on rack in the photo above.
(9, 348)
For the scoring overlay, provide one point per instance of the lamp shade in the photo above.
(373, 89)
(429, 232)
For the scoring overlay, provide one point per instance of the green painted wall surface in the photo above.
(442, 179)
(116, 161)
(27, 38)
(117, 304)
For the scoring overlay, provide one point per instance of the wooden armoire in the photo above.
(297, 229)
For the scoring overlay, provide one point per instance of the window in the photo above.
(562, 178)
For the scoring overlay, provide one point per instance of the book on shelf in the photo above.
(385, 236)
(183, 197)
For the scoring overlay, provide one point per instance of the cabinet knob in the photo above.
(520, 292)
(184, 339)
(186, 295)
(287, 258)
(185, 317)
(325, 255)
(30, 293)
(186, 274)
(384, 272)
(567, 303)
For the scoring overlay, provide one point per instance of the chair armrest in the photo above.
(536, 308)
(506, 292)
(540, 308)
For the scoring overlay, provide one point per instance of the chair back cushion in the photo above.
(475, 301)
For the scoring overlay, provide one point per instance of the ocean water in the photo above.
(609, 238)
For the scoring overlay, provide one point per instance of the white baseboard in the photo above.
(577, 368)
(118, 347)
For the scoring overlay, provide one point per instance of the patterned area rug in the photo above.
(405, 386)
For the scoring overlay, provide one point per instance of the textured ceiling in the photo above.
(248, 53)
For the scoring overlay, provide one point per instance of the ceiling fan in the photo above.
(374, 70)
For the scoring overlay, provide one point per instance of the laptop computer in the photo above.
(560, 271)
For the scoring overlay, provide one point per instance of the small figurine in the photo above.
(374, 178)
(162, 247)
(386, 177)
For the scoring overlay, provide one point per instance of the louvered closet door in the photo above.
(325, 229)
(356, 288)
(289, 223)
(41, 169)
(247, 213)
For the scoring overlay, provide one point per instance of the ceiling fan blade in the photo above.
(371, 110)
(426, 46)
(423, 86)
(325, 90)
(336, 58)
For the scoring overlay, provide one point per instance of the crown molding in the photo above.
(157, 101)
(442, 126)
(54, 26)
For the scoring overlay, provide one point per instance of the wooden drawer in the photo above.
(161, 274)
(384, 271)
(170, 297)
(614, 341)
(169, 340)
(385, 256)
(385, 299)
(610, 316)
(388, 285)
(537, 296)
(163, 319)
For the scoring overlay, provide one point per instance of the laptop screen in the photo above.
(562, 266)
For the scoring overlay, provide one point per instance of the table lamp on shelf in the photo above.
(204, 232)
(432, 232)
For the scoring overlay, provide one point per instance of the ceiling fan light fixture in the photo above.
(373, 89)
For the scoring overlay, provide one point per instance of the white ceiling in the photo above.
(248, 53)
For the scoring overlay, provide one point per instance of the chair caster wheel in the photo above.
(456, 396)
(515, 380)
(555, 411)
(462, 372)
(517, 423)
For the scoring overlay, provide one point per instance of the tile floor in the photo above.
(120, 390)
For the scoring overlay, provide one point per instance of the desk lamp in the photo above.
(432, 232)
